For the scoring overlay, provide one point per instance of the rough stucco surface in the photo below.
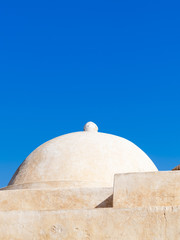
(55, 199)
(159, 223)
(90, 157)
(147, 189)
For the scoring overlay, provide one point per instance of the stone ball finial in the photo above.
(90, 127)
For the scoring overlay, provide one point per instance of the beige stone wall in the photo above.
(147, 189)
(55, 199)
(144, 206)
(159, 223)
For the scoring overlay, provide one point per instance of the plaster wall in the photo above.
(158, 223)
(55, 199)
(146, 189)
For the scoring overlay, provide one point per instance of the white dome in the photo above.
(88, 158)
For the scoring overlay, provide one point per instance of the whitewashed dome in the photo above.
(83, 159)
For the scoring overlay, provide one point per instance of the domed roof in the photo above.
(87, 159)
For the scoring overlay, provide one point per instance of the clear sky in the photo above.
(63, 63)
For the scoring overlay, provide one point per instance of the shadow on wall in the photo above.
(107, 203)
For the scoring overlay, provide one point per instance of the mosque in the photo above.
(90, 185)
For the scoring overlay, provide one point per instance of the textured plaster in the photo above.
(159, 223)
(55, 199)
(147, 189)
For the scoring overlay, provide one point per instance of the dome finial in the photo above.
(90, 127)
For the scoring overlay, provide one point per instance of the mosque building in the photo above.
(90, 185)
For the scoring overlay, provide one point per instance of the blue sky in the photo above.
(63, 63)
